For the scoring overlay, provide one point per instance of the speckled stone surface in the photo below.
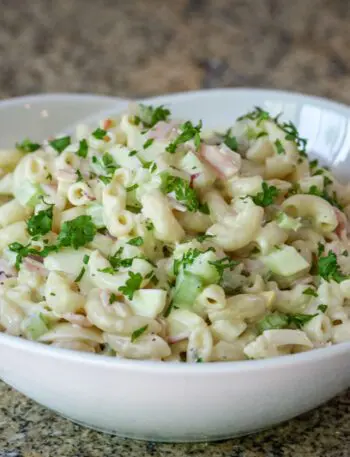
(144, 47)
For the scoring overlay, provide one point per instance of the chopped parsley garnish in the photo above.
(109, 163)
(137, 333)
(183, 193)
(112, 298)
(132, 284)
(99, 134)
(117, 261)
(80, 275)
(148, 143)
(149, 225)
(292, 134)
(133, 209)
(83, 149)
(313, 163)
(77, 232)
(40, 223)
(23, 251)
(105, 179)
(280, 320)
(310, 291)
(60, 144)
(138, 241)
(188, 132)
(79, 176)
(230, 141)
(258, 114)
(150, 115)
(132, 153)
(86, 259)
(279, 147)
(204, 237)
(345, 253)
(28, 146)
(151, 166)
(267, 196)
(131, 188)
(322, 308)
(327, 181)
(328, 268)
(187, 259)
(222, 264)
(273, 321)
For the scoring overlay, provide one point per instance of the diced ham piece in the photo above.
(225, 162)
(162, 130)
(34, 266)
(193, 178)
(343, 225)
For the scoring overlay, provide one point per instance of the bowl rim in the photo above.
(314, 355)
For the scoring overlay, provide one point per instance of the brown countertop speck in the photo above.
(145, 47)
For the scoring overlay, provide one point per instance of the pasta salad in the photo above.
(150, 238)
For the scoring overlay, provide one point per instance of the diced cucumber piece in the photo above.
(285, 261)
(96, 212)
(35, 326)
(187, 288)
(202, 268)
(289, 223)
(28, 194)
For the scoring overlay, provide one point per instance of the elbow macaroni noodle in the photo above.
(141, 239)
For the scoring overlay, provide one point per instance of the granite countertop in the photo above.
(143, 47)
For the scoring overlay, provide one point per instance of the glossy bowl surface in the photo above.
(164, 401)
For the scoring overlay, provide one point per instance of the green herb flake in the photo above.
(258, 114)
(204, 237)
(322, 308)
(86, 259)
(27, 146)
(132, 285)
(83, 149)
(132, 153)
(77, 232)
(79, 176)
(187, 259)
(188, 132)
(310, 291)
(148, 143)
(183, 192)
(131, 188)
(230, 141)
(60, 144)
(150, 116)
(328, 268)
(108, 163)
(99, 134)
(222, 264)
(138, 241)
(279, 147)
(345, 253)
(267, 196)
(137, 333)
(105, 179)
(80, 275)
(40, 223)
(313, 164)
(112, 298)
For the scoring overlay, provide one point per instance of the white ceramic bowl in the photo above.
(164, 401)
